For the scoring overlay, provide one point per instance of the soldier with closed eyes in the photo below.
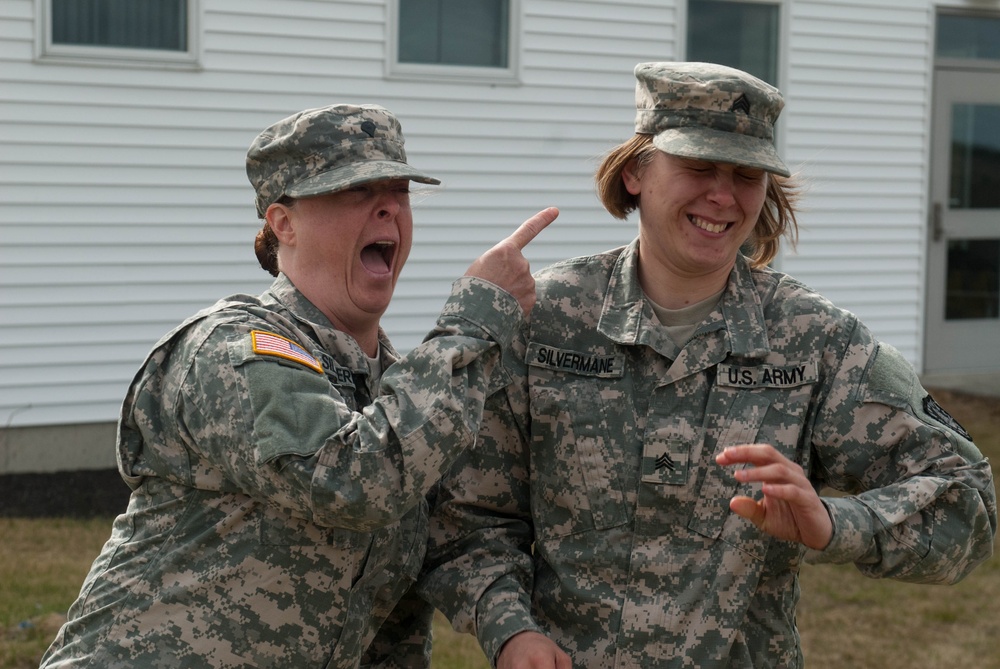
(647, 489)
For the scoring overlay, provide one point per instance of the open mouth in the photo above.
(708, 226)
(377, 257)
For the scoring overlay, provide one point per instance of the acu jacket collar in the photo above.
(742, 315)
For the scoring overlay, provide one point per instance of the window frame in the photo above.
(782, 37)
(944, 62)
(471, 74)
(47, 51)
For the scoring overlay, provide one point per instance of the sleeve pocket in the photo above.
(292, 409)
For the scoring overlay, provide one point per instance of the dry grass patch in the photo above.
(453, 650)
(848, 620)
(42, 565)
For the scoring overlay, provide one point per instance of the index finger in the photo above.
(755, 454)
(531, 227)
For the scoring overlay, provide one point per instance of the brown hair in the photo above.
(777, 218)
(265, 245)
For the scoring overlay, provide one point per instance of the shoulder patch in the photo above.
(937, 412)
(267, 343)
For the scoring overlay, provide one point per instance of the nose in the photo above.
(387, 205)
(722, 190)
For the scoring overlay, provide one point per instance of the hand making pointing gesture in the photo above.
(505, 265)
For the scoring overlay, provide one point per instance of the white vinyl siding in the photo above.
(124, 206)
(856, 128)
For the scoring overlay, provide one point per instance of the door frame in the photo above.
(955, 346)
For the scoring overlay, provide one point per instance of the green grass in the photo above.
(846, 620)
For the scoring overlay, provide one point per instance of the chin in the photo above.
(377, 306)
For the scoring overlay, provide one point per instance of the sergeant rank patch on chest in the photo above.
(267, 343)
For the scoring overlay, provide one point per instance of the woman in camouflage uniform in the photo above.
(646, 494)
(278, 464)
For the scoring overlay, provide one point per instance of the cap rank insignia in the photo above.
(741, 104)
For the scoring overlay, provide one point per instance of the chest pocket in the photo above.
(576, 460)
(711, 517)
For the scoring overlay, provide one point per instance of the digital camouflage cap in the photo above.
(325, 150)
(710, 112)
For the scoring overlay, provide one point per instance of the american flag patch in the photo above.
(265, 343)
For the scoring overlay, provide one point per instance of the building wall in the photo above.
(858, 99)
(124, 206)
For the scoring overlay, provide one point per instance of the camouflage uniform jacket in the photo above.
(593, 510)
(278, 509)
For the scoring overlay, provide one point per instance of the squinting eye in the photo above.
(702, 168)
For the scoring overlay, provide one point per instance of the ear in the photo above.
(279, 218)
(632, 177)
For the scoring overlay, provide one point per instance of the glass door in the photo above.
(963, 292)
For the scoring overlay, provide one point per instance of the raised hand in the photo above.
(505, 265)
(790, 510)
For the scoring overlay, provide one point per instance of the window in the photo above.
(743, 35)
(968, 36)
(455, 38)
(118, 30)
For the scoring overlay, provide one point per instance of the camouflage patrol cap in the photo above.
(325, 150)
(710, 112)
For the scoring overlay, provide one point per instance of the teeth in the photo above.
(385, 244)
(705, 225)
